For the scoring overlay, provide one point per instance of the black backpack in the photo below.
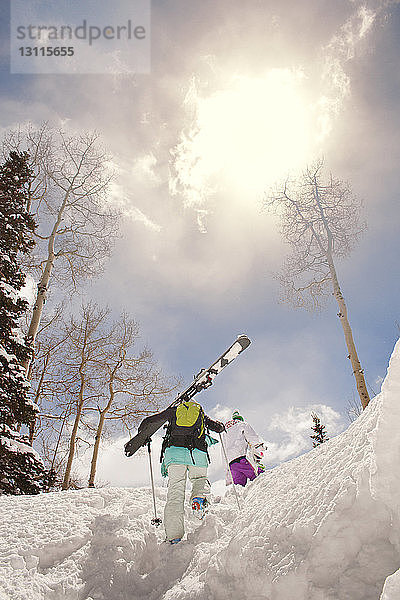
(186, 428)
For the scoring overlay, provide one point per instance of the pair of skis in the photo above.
(202, 381)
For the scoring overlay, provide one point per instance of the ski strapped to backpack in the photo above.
(206, 376)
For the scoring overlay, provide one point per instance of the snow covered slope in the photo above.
(325, 526)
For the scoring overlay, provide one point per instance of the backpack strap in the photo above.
(166, 440)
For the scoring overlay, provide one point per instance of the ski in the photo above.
(206, 376)
(202, 381)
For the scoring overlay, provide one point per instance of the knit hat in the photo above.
(237, 416)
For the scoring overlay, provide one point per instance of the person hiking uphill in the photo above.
(184, 453)
(238, 438)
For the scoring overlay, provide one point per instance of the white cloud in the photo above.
(134, 213)
(245, 132)
(120, 194)
(340, 50)
(221, 413)
(118, 470)
(242, 136)
(143, 170)
(294, 427)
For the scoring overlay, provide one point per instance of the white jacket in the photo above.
(238, 436)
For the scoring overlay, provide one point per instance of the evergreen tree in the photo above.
(320, 435)
(21, 469)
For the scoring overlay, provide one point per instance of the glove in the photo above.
(258, 451)
(221, 427)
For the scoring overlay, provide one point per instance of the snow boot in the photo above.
(199, 506)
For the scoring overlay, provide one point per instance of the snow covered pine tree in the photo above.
(21, 469)
(319, 430)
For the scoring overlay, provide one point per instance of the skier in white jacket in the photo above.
(240, 438)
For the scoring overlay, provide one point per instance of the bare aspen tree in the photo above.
(68, 198)
(54, 385)
(86, 347)
(50, 392)
(52, 441)
(134, 386)
(320, 220)
(89, 379)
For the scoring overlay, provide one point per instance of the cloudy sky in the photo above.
(238, 95)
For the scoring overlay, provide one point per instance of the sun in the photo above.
(245, 136)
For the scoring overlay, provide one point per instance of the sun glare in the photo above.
(245, 136)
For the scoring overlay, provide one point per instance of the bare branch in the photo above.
(320, 221)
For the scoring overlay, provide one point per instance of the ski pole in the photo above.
(156, 520)
(230, 472)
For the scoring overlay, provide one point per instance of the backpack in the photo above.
(186, 427)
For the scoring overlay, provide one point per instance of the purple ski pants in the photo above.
(242, 471)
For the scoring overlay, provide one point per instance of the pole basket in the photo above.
(156, 521)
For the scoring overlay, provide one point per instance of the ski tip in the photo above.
(243, 340)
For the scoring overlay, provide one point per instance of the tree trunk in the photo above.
(81, 401)
(358, 372)
(32, 424)
(72, 441)
(342, 314)
(44, 282)
(99, 432)
(96, 449)
(53, 462)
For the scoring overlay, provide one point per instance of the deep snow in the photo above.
(324, 526)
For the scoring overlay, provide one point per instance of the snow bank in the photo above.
(325, 526)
